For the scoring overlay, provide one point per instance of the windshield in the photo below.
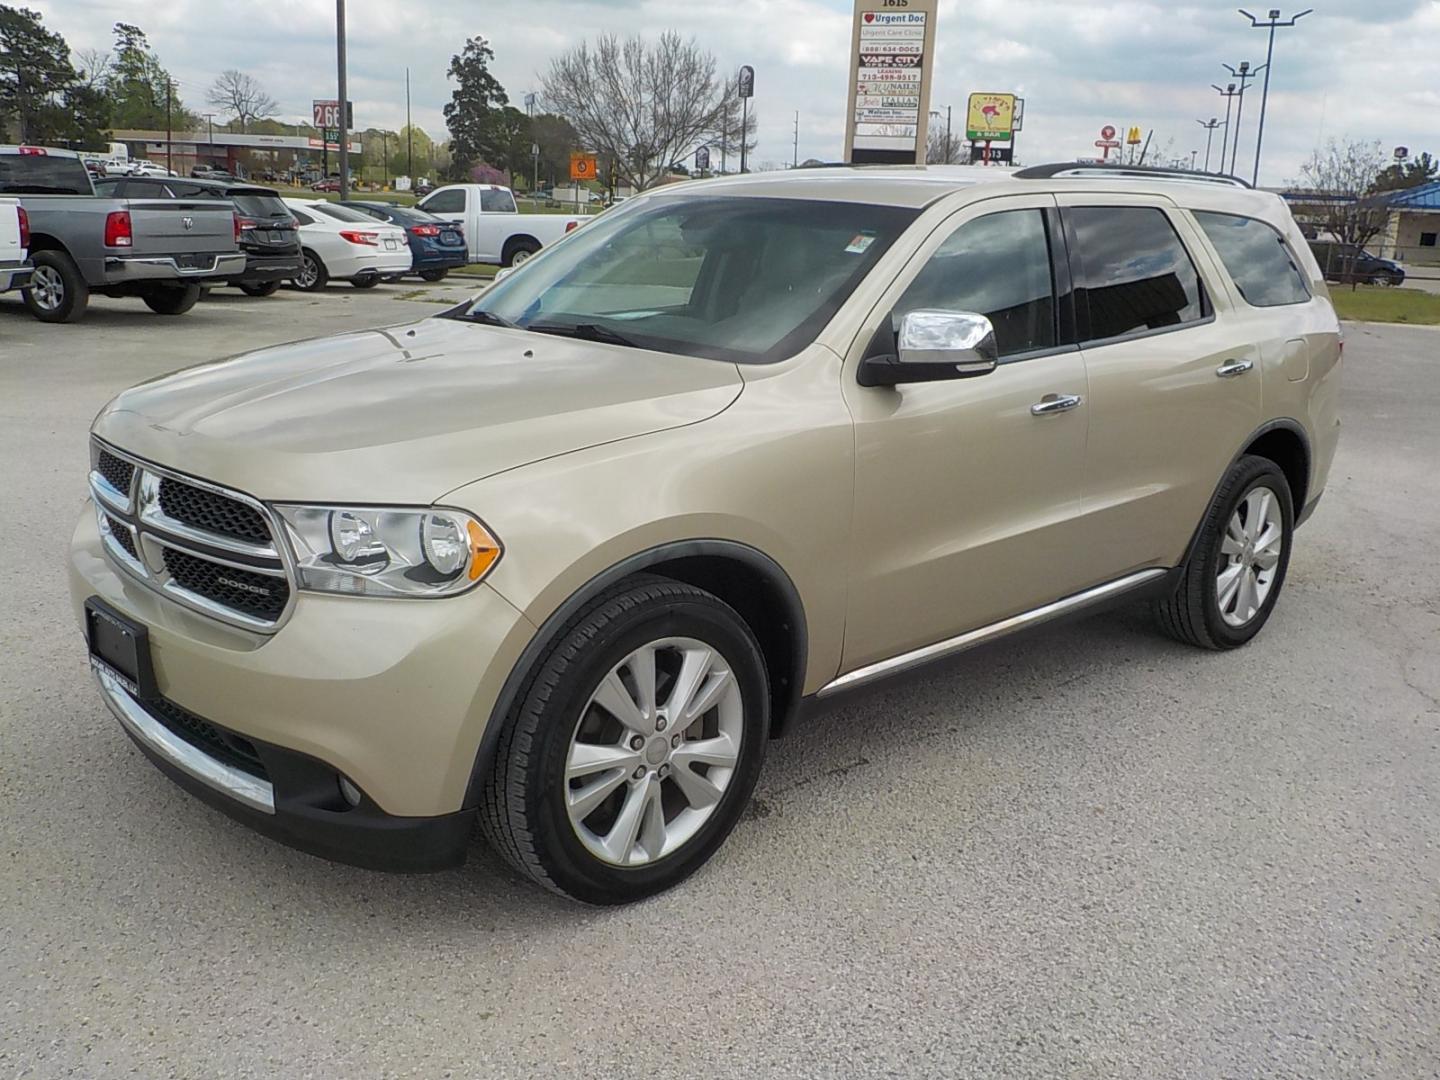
(742, 279)
(259, 204)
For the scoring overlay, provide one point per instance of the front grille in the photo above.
(258, 595)
(201, 509)
(116, 472)
(123, 537)
(223, 746)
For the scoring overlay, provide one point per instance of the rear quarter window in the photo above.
(497, 201)
(1256, 258)
(445, 202)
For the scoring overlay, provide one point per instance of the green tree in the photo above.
(1408, 174)
(477, 114)
(557, 140)
(34, 68)
(137, 86)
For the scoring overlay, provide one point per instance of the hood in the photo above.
(407, 414)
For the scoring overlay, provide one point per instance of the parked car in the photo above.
(15, 267)
(160, 250)
(264, 229)
(437, 246)
(423, 188)
(1347, 264)
(565, 557)
(340, 243)
(209, 172)
(330, 183)
(494, 230)
(147, 168)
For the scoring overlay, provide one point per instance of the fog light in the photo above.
(350, 792)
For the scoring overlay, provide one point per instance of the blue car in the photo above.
(437, 245)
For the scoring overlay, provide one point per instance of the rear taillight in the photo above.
(32, 151)
(369, 239)
(424, 230)
(24, 228)
(236, 219)
(245, 224)
(117, 229)
(571, 226)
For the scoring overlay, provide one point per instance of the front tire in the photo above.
(171, 299)
(313, 277)
(57, 292)
(260, 288)
(635, 747)
(1229, 585)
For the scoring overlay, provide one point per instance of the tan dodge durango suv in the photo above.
(565, 558)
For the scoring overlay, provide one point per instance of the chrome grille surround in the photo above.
(151, 531)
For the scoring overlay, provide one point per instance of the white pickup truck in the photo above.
(495, 231)
(14, 239)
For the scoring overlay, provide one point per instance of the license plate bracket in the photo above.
(120, 648)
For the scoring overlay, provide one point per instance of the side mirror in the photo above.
(931, 346)
(504, 272)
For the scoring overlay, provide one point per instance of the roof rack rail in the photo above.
(1085, 170)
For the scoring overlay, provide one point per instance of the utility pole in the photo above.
(795, 158)
(1244, 73)
(746, 86)
(1229, 93)
(1273, 23)
(210, 146)
(409, 134)
(949, 144)
(169, 134)
(344, 101)
(1209, 127)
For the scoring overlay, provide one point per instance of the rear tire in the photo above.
(365, 282)
(171, 299)
(517, 251)
(433, 275)
(568, 768)
(1229, 585)
(57, 292)
(260, 288)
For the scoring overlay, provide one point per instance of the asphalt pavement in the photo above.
(1087, 853)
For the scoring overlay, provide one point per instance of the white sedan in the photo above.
(337, 242)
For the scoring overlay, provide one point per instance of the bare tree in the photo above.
(1343, 176)
(937, 152)
(93, 66)
(242, 97)
(643, 106)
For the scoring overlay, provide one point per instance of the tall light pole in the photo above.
(1209, 127)
(1244, 73)
(344, 100)
(409, 135)
(1229, 93)
(1272, 23)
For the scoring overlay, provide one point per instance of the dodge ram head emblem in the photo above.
(188, 223)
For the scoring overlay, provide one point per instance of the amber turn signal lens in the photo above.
(484, 550)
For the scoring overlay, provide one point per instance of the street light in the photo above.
(1272, 23)
(1209, 126)
(1244, 73)
(1229, 93)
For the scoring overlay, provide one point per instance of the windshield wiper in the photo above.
(486, 318)
(585, 332)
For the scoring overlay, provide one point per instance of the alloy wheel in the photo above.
(47, 288)
(653, 752)
(308, 273)
(1249, 557)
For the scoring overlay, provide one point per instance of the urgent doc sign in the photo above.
(892, 56)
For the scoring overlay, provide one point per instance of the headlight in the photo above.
(368, 551)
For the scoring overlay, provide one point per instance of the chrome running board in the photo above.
(905, 661)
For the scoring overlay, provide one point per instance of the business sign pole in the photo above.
(892, 61)
(747, 91)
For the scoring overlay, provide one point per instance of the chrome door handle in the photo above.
(1056, 403)
(1231, 368)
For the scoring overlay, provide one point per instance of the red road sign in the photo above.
(1108, 144)
(1108, 134)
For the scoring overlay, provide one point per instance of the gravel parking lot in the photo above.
(1090, 853)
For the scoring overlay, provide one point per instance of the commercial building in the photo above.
(240, 155)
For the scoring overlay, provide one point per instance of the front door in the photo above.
(966, 500)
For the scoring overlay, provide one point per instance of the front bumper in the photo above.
(393, 695)
(15, 277)
(122, 268)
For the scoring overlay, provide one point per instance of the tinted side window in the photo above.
(1133, 271)
(146, 189)
(997, 266)
(445, 202)
(1257, 259)
(302, 217)
(497, 202)
(182, 189)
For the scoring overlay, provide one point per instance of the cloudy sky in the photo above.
(1356, 68)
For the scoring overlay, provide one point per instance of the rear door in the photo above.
(1175, 378)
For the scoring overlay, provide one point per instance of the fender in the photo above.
(1285, 423)
(517, 683)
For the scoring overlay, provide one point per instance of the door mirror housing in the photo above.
(931, 346)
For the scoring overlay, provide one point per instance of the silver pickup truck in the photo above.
(160, 250)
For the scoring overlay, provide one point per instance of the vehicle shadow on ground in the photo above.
(1003, 680)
